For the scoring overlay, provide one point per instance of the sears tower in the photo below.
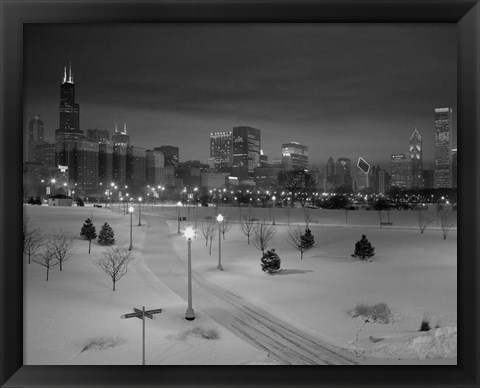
(69, 110)
(68, 133)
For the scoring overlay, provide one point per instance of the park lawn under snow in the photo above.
(414, 274)
(74, 318)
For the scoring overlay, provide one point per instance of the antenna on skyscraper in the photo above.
(124, 128)
(116, 130)
(64, 74)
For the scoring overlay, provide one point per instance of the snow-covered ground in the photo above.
(415, 274)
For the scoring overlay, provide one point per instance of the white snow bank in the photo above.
(434, 344)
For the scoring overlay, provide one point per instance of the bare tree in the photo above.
(446, 222)
(288, 210)
(262, 235)
(439, 209)
(62, 247)
(31, 239)
(295, 239)
(226, 225)
(46, 258)
(207, 227)
(115, 262)
(247, 225)
(423, 220)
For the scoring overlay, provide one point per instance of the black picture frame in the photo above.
(14, 14)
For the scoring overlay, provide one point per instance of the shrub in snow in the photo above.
(425, 324)
(101, 343)
(106, 235)
(199, 332)
(88, 232)
(270, 262)
(308, 240)
(301, 242)
(378, 313)
(364, 249)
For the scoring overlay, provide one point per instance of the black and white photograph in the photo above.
(240, 194)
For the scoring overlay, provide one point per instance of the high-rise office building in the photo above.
(136, 168)
(330, 174)
(155, 168)
(383, 181)
(343, 173)
(454, 168)
(221, 149)
(98, 135)
(35, 137)
(68, 133)
(246, 151)
(171, 155)
(86, 176)
(69, 109)
(442, 177)
(415, 152)
(105, 162)
(45, 154)
(427, 179)
(121, 138)
(120, 165)
(295, 156)
(401, 171)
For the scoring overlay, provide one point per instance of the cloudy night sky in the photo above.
(344, 90)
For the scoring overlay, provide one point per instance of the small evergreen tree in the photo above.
(106, 235)
(88, 232)
(363, 249)
(307, 239)
(270, 262)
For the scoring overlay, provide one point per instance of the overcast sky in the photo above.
(344, 90)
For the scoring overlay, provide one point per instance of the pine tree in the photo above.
(270, 262)
(88, 232)
(106, 235)
(363, 249)
(307, 239)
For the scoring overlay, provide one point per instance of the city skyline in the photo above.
(216, 77)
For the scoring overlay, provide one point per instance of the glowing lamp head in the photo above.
(140, 199)
(130, 209)
(121, 198)
(219, 218)
(179, 203)
(273, 198)
(189, 233)
(53, 180)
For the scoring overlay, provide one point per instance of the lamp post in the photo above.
(220, 220)
(139, 211)
(130, 210)
(190, 314)
(178, 215)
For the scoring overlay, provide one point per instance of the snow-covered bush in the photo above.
(378, 313)
(106, 235)
(270, 262)
(199, 332)
(100, 343)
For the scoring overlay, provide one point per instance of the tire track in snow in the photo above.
(283, 342)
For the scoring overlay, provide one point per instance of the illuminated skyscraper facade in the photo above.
(442, 177)
(415, 153)
(295, 156)
(69, 109)
(343, 173)
(35, 137)
(246, 151)
(221, 149)
(401, 171)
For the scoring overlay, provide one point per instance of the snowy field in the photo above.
(414, 274)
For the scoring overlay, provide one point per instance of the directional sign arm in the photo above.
(131, 315)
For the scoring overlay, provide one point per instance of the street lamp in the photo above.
(178, 215)
(189, 234)
(139, 211)
(220, 220)
(130, 210)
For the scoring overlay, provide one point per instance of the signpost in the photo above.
(141, 314)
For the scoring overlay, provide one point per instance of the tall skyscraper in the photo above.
(120, 165)
(246, 151)
(121, 138)
(155, 165)
(401, 171)
(171, 155)
(343, 173)
(454, 168)
(35, 137)
(69, 109)
(442, 148)
(105, 162)
(221, 149)
(415, 152)
(295, 156)
(136, 169)
(86, 174)
(330, 174)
